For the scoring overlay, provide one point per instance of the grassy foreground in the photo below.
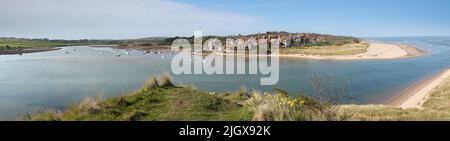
(160, 100)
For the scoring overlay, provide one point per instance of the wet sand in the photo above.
(415, 95)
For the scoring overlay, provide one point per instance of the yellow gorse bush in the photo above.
(275, 99)
(277, 106)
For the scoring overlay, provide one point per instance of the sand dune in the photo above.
(416, 95)
(374, 51)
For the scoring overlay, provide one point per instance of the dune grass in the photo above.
(281, 107)
(328, 50)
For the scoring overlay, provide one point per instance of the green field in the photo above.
(15, 43)
(27, 43)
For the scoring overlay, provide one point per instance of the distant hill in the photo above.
(286, 38)
(11, 43)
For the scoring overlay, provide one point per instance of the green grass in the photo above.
(15, 43)
(159, 100)
(188, 104)
(327, 50)
(160, 103)
(25, 43)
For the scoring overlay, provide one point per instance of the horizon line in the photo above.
(389, 36)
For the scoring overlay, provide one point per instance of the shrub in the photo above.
(90, 105)
(276, 107)
(279, 107)
(145, 44)
(242, 93)
(324, 106)
(165, 80)
(151, 83)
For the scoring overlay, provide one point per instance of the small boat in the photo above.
(118, 55)
(126, 53)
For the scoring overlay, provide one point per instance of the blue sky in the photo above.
(347, 17)
(119, 19)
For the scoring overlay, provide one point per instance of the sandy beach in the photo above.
(415, 95)
(374, 51)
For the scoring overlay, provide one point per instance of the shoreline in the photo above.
(375, 51)
(27, 50)
(144, 49)
(415, 95)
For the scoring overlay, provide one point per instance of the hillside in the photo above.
(160, 100)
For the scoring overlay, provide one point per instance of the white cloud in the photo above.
(74, 19)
